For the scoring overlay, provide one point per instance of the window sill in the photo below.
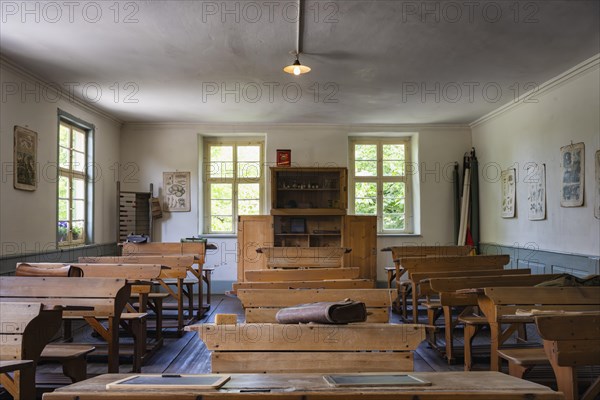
(219, 235)
(385, 235)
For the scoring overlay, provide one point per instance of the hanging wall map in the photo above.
(572, 169)
(507, 178)
(176, 191)
(536, 196)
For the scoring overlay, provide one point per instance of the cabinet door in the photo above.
(360, 234)
(253, 232)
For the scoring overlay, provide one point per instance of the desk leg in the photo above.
(470, 332)
(208, 279)
(566, 377)
(179, 306)
(200, 292)
(415, 304)
(112, 340)
(158, 310)
(495, 330)
(449, 334)
(21, 385)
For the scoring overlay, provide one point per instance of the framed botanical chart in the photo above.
(536, 195)
(572, 173)
(597, 191)
(508, 179)
(25, 159)
(176, 191)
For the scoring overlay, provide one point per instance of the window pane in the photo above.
(248, 191)
(63, 230)
(220, 223)
(78, 209)
(79, 140)
(366, 152)
(394, 204)
(248, 199)
(64, 136)
(77, 233)
(221, 199)
(64, 158)
(365, 194)
(249, 170)
(393, 221)
(393, 168)
(365, 168)
(221, 207)
(365, 156)
(79, 189)
(63, 210)
(248, 207)
(393, 152)
(248, 153)
(78, 161)
(221, 162)
(221, 191)
(63, 187)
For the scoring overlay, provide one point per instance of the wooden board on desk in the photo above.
(301, 274)
(291, 297)
(310, 337)
(317, 284)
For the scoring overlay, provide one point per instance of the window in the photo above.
(234, 181)
(379, 182)
(74, 199)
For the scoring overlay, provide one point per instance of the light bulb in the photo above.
(297, 70)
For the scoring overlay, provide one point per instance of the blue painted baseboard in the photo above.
(545, 262)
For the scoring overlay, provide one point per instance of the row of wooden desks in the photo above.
(443, 386)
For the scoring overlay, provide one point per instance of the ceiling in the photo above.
(373, 61)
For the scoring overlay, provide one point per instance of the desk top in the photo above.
(477, 385)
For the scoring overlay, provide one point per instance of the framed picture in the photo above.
(572, 169)
(536, 196)
(284, 158)
(597, 196)
(508, 179)
(176, 191)
(25, 159)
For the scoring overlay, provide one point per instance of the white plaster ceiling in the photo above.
(371, 59)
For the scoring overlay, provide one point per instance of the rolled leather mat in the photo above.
(341, 312)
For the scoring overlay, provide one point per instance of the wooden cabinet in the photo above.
(309, 191)
(308, 210)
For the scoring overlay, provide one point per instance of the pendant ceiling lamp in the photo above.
(296, 68)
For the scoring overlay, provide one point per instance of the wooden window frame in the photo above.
(379, 179)
(234, 180)
(71, 174)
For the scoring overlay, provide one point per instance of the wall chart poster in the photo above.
(597, 197)
(508, 179)
(572, 169)
(536, 196)
(25, 159)
(176, 187)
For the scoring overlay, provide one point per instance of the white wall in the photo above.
(156, 148)
(567, 111)
(29, 218)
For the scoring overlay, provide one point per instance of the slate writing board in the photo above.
(146, 381)
(345, 380)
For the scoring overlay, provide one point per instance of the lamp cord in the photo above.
(299, 29)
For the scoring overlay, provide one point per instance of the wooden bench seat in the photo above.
(280, 348)
(71, 357)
